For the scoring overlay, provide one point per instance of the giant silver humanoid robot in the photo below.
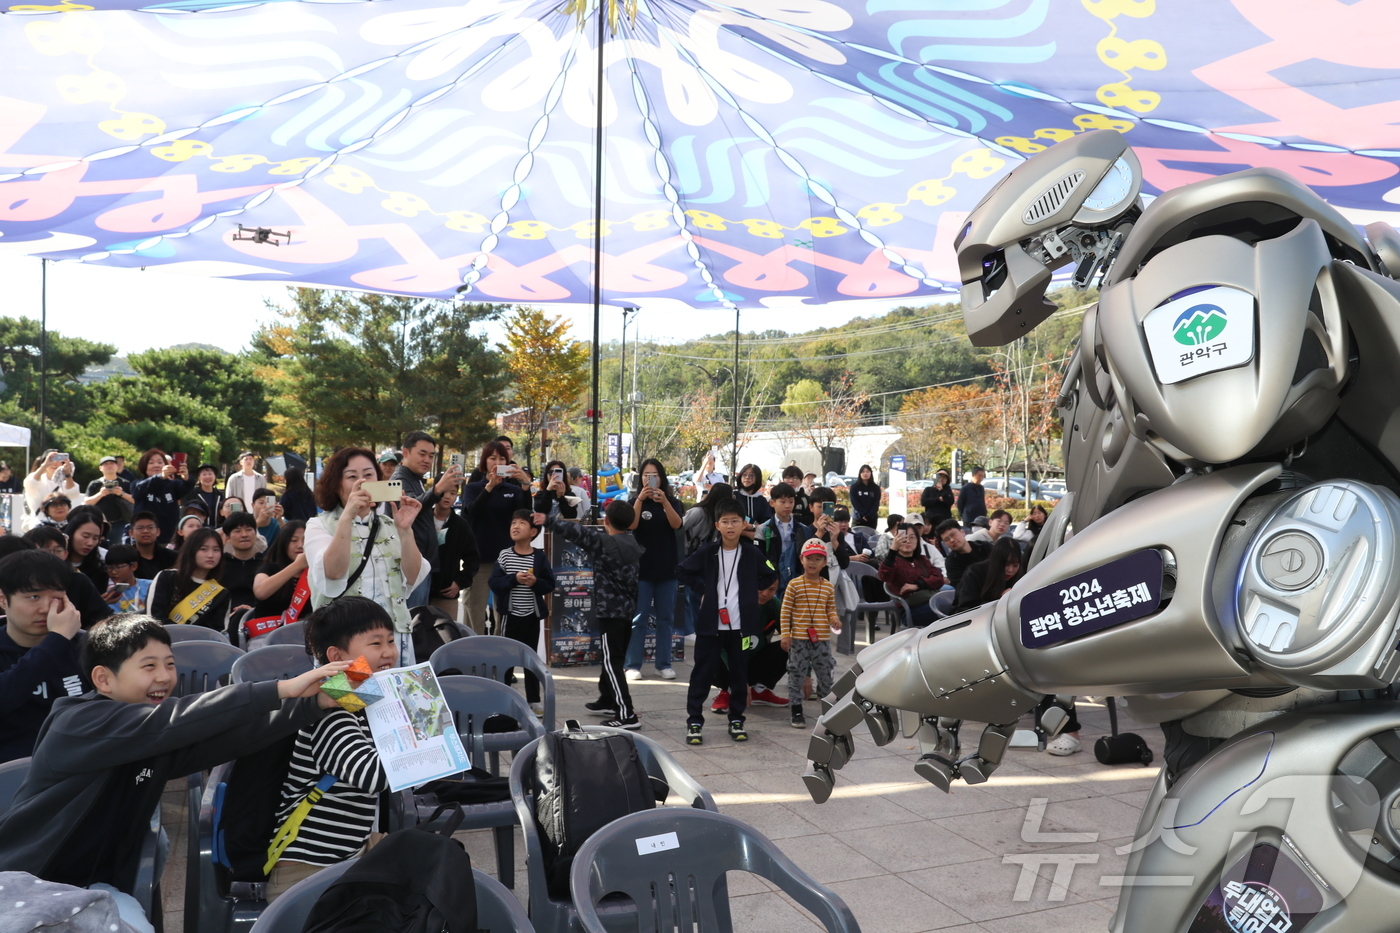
(1226, 559)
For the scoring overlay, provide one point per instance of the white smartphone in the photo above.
(653, 481)
(388, 490)
(503, 470)
(456, 460)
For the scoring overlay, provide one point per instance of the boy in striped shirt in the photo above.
(808, 621)
(342, 821)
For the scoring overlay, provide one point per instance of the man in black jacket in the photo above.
(419, 449)
(103, 758)
(972, 498)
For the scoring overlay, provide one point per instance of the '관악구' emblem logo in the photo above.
(1199, 324)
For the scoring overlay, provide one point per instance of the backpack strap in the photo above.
(287, 832)
(364, 560)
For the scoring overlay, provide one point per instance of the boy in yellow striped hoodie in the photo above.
(808, 621)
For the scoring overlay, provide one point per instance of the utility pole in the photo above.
(43, 353)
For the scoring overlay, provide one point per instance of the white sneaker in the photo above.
(667, 673)
(1063, 744)
(633, 675)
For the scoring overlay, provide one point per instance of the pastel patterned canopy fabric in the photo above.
(754, 149)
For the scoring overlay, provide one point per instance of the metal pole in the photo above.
(632, 399)
(43, 352)
(734, 453)
(622, 387)
(597, 249)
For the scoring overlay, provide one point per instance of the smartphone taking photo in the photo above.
(387, 490)
(828, 509)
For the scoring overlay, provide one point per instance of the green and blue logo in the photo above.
(1199, 324)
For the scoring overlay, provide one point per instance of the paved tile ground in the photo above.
(906, 857)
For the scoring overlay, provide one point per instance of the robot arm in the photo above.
(1217, 582)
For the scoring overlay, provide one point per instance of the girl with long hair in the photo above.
(986, 581)
(750, 495)
(190, 592)
(865, 496)
(85, 531)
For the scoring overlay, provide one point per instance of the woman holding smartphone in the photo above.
(555, 492)
(53, 472)
(488, 505)
(160, 490)
(657, 516)
(352, 550)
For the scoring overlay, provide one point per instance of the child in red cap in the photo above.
(809, 620)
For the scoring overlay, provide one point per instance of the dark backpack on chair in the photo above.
(584, 781)
(432, 628)
(1120, 748)
(414, 881)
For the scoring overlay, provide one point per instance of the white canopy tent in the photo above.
(12, 435)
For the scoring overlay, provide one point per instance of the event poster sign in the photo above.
(573, 623)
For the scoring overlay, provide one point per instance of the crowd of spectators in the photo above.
(750, 576)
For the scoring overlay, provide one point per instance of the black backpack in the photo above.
(413, 881)
(248, 813)
(584, 781)
(432, 628)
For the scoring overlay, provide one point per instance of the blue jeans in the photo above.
(690, 610)
(660, 594)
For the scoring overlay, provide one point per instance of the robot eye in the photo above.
(993, 272)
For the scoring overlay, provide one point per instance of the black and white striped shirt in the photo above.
(522, 598)
(340, 824)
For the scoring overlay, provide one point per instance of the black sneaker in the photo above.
(601, 708)
(692, 734)
(798, 720)
(736, 731)
(631, 722)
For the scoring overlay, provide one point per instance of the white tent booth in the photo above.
(12, 506)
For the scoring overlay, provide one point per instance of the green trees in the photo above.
(345, 368)
(548, 371)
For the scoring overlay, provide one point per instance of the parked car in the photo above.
(834, 479)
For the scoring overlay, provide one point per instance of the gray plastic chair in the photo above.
(271, 662)
(944, 602)
(12, 775)
(858, 571)
(497, 910)
(194, 633)
(294, 634)
(707, 845)
(903, 610)
(555, 916)
(473, 700)
(492, 656)
(203, 665)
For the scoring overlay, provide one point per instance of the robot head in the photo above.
(1066, 204)
(1220, 321)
